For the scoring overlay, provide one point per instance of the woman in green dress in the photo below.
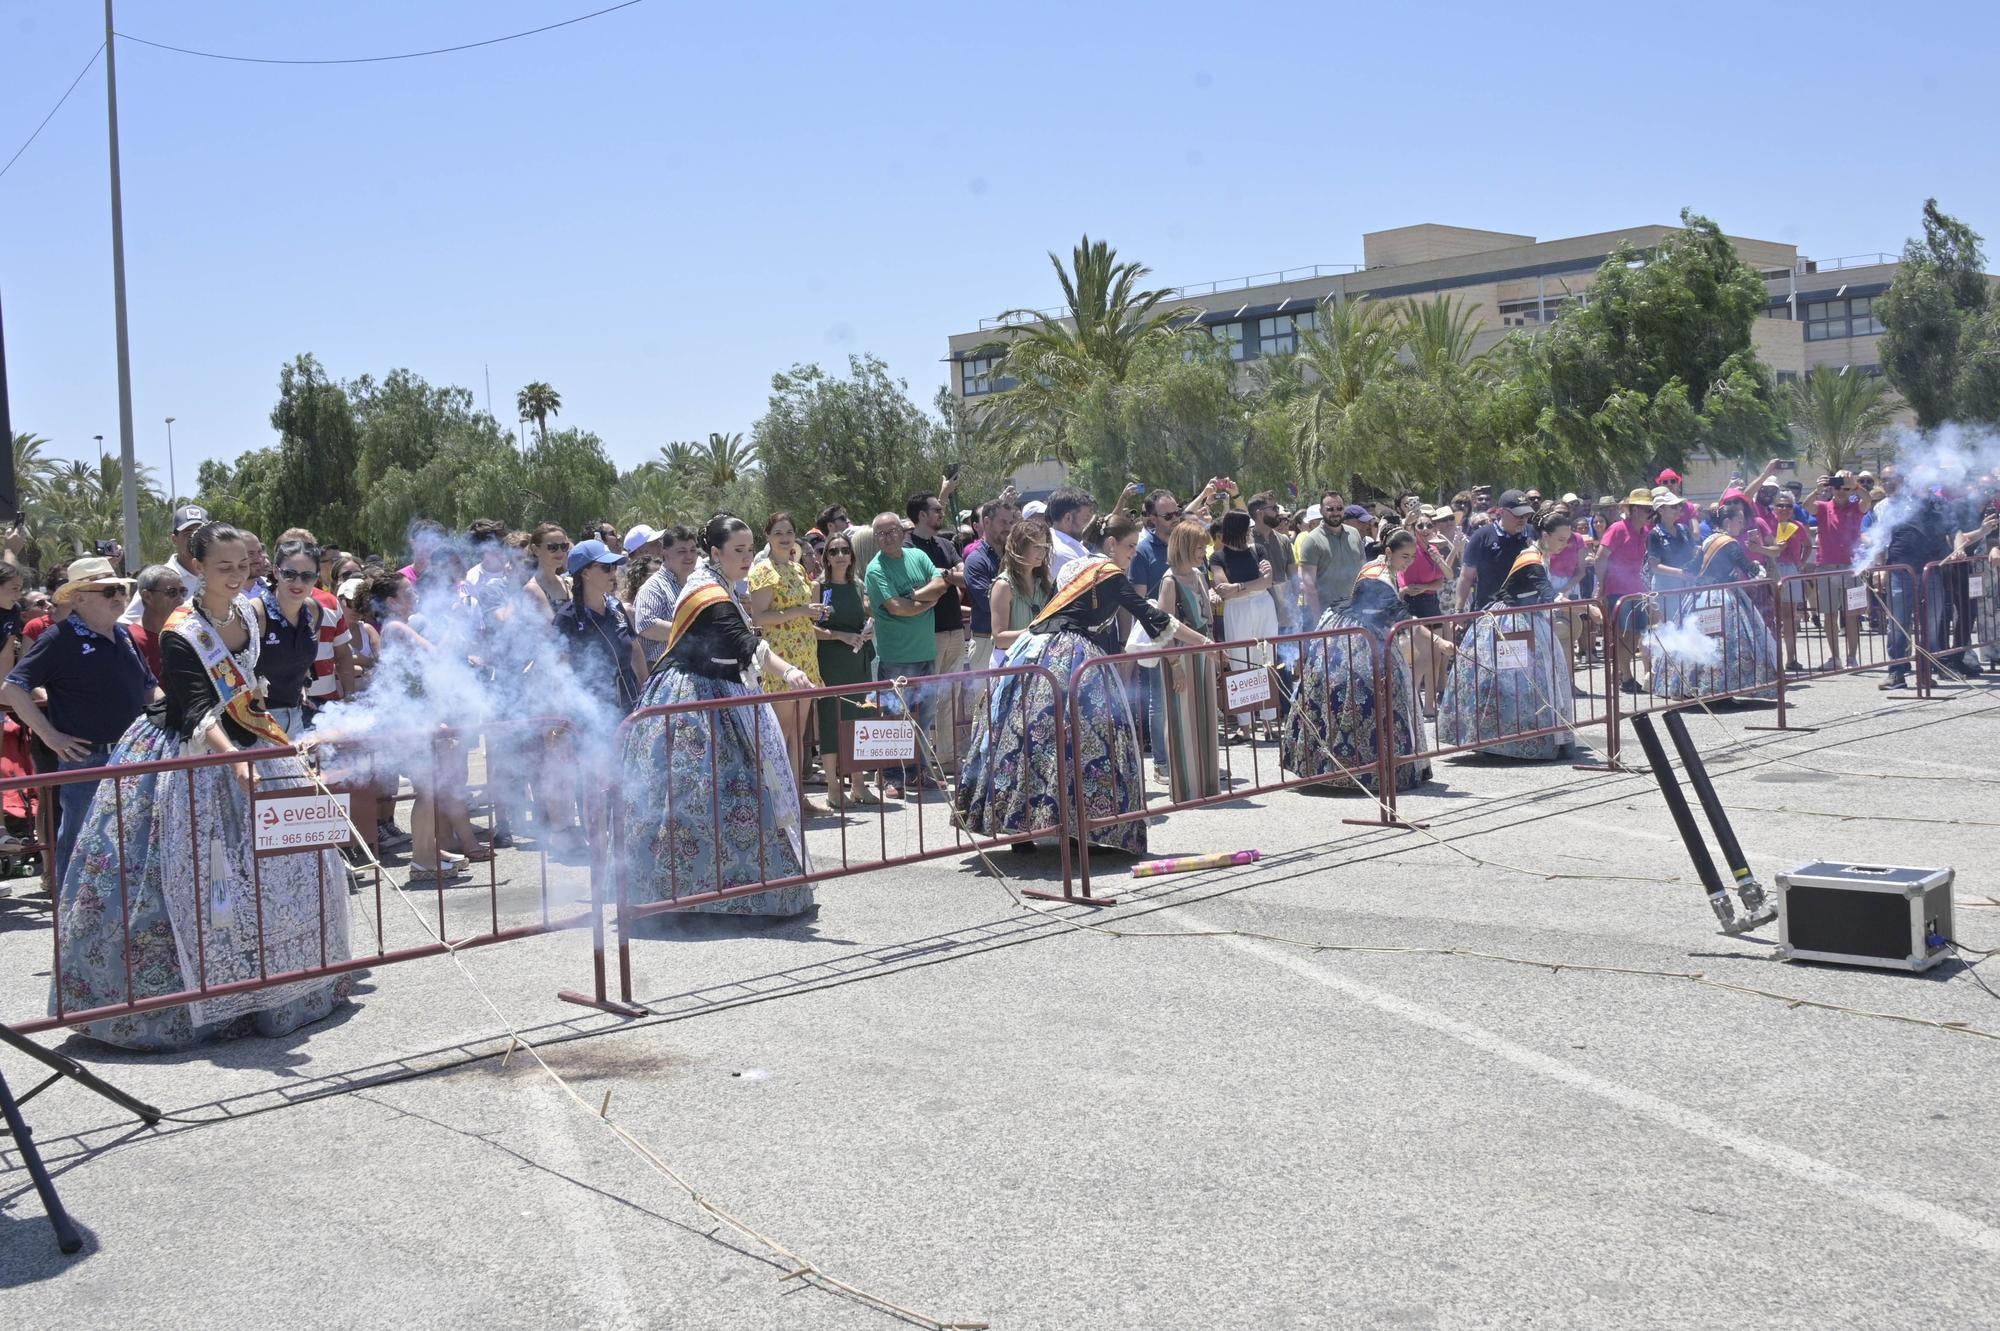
(1193, 756)
(1024, 585)
(846, 656)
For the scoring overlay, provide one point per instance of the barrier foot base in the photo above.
(1599, 767)
(1066, 899)
(611, 1005)
(1787, 730)
(67, 1067)
(1400, 824)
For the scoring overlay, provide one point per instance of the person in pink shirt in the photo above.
(1838, 512)
(1622, 568)
(1790, 550)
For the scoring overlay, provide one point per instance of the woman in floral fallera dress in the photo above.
(1493, 691)
(1334, 728)
(196, 911)
(1010, 784)
(709, 798)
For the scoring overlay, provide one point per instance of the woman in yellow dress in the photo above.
(785, 605)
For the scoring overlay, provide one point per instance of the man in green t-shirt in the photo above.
(903, 587)
(1330, 555)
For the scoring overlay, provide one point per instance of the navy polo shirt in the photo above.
(285, 659)
(1149, 565)
(1490, 554)
(96, 686)
(981, 567)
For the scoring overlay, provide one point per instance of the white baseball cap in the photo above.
(638, 536)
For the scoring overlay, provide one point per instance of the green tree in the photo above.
(316, 482)
(1837, 413)
(538, 402)
(857, 440)
(1309, 394)
(1623, 380)
(1174, 419)
(726, 459)
(568, 479)
(1940, 341)
(1108, 323)
(33, 468)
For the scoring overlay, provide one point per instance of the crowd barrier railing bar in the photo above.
(1736, 619)
(1941, 629)
(331, 892)
(1851, 604)
(1570, 696)
(1243, 659)
(889, 742)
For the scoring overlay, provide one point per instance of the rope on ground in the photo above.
(1314, 945)
(798, 1266)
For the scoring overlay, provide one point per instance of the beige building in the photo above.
(1817, 313)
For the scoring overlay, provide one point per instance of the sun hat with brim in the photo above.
(1665, 498)
(1607, 501)
(591, 552)
(92, 573)
(1440, 514)
(1639, 498)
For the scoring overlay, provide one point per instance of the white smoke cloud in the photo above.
(1954, 457)
(503, 674)
(1684, 641)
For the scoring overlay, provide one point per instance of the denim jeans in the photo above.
(72, 804)
(922, 704)
(1902, 614)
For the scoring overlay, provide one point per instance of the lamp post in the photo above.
(100, 453)
(173, 486)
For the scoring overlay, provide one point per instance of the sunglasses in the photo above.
(108, 593)
(555, 545)
(173, 593)
(298, 575)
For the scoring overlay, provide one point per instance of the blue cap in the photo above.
(591, 552)
(1356, 513)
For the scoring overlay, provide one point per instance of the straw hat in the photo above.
(1639, 495)
(93, 572)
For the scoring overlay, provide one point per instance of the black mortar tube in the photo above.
(1677, 805)
(1704, 790)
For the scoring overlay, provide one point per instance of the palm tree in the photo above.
(1351, 343)
(724, 459)
(32, 470)
(1437, 335)
(1836, 413)
(650, 493)
(1055, 362)
(538, 402)
(681, 458)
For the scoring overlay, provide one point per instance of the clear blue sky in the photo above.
(655, 210)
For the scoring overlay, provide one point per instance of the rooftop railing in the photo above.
(1193, 292)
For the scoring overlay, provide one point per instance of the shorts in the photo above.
(1791, 593)
(1831, 586)
(1634, 614)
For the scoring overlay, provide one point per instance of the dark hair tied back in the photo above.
(206, 538)
(719, 529)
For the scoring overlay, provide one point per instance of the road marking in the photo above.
(1959, 1228)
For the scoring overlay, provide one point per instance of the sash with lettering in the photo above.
(238, 698)
(1094, 574)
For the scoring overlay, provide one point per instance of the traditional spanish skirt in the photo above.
(1511, 674)
(1332, 729)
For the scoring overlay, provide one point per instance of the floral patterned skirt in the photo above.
(709, 802)
(1491, 692)
(1742, 657)
(1332, 729)
(193, 913)
(1009, 785)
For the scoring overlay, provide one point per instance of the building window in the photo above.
(1230, 336)
(1307, 322)
(1275, 336)
(1787, 377)
(1863, 323)
(1826, 319)
(1535, 310)
(977, 375)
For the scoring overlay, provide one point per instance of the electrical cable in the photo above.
(379, 59)
(52, 110)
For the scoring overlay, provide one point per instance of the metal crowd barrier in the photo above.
(266, 806)
(887, 738)
(1250, 678)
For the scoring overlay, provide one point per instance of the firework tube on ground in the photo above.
(1189, 863)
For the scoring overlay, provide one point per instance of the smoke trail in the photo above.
(1685, 642)
(1954, 458)
(494, 662)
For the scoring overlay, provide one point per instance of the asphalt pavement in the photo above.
(1269, 1096)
